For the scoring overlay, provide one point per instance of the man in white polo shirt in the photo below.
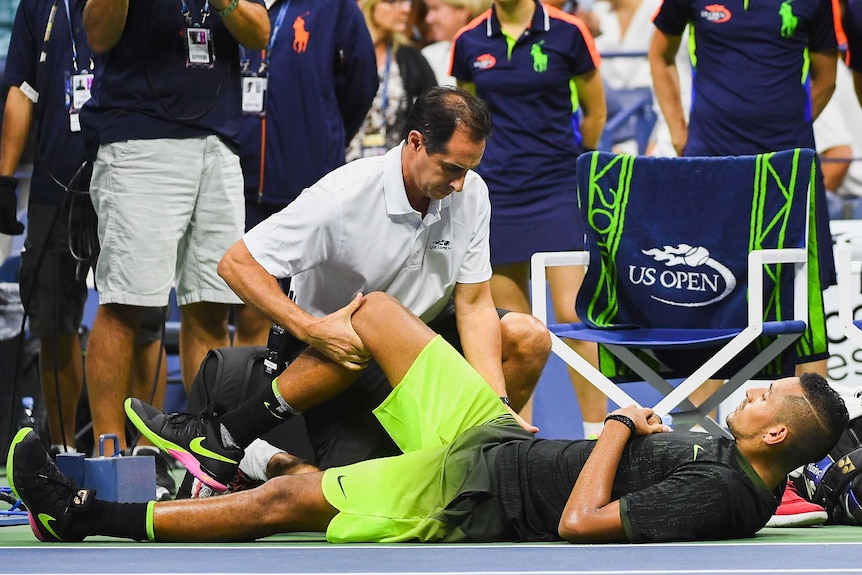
(390, 223)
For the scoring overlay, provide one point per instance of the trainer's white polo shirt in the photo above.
(354, 230)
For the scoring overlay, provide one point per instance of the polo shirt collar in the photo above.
(394, 191)
(540, 21)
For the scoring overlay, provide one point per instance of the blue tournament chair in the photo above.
(697, 268)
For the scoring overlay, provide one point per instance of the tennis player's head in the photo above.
(796, 419)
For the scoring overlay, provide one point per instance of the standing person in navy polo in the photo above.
(167, 184)
(763, 71)
(304, 98)
(530, 62)
(42, 93)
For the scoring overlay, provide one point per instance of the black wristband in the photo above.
(505, 400)
(627, 421)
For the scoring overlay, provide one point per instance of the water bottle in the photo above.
(27, 418)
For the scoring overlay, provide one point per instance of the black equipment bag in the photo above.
(835, 482)
(228, 376)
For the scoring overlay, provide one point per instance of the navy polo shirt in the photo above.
(751, 86)
(322, 79)
(61, 152)
(144, 90)
(853, 29)
(250, 129)
(527, 86)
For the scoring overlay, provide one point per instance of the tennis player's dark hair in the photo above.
(818, 422)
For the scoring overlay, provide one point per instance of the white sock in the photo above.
(63, 448)
(256, 459)
(592, 429)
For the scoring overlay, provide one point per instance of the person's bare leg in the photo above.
(564, 283)
(389, 331)
(284, 463)
(509, 285)
(62, 381)
(395, 337)
(252, 327)
(110, 355)
(703, 392)
(281, 505)
(203, 327)
(526, 347)
(510, 288)
(145, 384)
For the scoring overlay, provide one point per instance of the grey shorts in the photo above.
(168, 210)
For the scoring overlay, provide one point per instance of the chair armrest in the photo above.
(757, 259)
(538, 277)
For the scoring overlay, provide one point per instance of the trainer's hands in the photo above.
(333, 336)
(645, 420)
(9, 223)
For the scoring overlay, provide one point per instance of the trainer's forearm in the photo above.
(259, 289)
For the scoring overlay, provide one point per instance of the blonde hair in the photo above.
(396, 39)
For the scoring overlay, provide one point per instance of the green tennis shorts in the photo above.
(401, 498)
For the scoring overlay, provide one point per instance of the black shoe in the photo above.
(166, 487)
(192, 440)
(51, 499)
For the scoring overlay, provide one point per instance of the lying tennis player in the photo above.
(470, 473)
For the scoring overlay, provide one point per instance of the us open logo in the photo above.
(715, 13)
(485, 62)
(688, 276)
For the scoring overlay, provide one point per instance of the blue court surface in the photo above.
(816, 550)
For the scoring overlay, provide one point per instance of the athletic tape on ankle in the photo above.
(282, 404)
